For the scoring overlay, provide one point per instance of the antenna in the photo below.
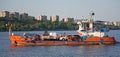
(91, 15)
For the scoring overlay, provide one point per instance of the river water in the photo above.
(59, 51)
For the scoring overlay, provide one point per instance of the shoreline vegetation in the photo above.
(35, 25)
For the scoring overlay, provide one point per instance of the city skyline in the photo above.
(107, 10)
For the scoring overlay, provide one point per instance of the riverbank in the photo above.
(35, 25)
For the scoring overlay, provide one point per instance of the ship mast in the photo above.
(10, 26)
(91, 20)
(91, 16)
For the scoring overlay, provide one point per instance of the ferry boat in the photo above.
(87, 35)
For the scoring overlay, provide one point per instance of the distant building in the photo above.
(69, 19)
(66, 19)
(61, 20)
(105, 22)
(116, 23)
(14, 15)
(77, 20)
(54, 18)
(109, 23)
(42, 18)
(4, 14)
(100, 22)
(23, 15)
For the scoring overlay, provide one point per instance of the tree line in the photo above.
(35, 25)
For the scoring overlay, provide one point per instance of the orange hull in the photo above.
(18, 40)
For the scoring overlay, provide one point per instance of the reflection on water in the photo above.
(24, 46)
(7, 50)
(64, 51)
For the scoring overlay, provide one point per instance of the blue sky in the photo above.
(108, 10)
